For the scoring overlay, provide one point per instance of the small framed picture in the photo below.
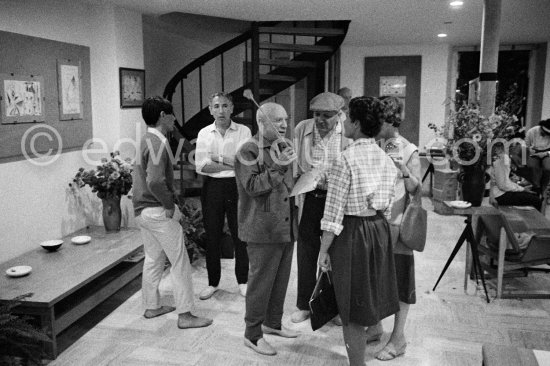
(395, 86)
(132, 87)
(22, 98)
(69, 85)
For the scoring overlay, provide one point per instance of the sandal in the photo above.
(374, 338)
(389, 352)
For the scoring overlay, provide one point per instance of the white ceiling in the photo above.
(375, 22)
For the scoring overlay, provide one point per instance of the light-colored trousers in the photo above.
(163, 237)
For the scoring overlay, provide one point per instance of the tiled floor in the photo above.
(446, 327)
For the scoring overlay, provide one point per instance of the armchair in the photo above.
(502, 245)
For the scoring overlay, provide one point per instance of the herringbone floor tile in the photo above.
(445, 328)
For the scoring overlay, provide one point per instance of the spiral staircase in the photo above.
(271, 57)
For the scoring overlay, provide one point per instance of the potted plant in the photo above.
(193, 228)
(111, 180)
(20, 342)
(469, 140)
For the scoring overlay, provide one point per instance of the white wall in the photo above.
(546, 97)
(168, 52)
(433, 90)
(36, 200)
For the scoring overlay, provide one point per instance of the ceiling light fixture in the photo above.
(456, 4)
(442, 35)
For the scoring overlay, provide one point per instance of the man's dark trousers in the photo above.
(309, 243)
(220, 198)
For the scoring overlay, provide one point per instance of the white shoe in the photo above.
(207, 292)
(261, 346)
(300, 316)
(242, 289)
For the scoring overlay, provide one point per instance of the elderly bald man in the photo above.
(318, 141)
(267, 223)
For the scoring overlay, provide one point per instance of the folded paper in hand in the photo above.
(306, 183)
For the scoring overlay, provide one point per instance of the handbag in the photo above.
(323, 301)
(414, 225)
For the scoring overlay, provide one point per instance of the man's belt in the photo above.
(318, 193)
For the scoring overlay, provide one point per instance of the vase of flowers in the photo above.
(111, 180)
(470, 137)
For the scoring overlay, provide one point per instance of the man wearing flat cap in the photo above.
(318, 142)
(537, 140)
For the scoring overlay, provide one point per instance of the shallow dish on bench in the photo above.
(460, 204)
(81, 239)
(18, 271)
(51, 245)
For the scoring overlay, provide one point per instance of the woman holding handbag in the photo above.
(405, 156)
(356, 242)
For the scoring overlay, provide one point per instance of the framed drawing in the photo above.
(69, 86)
(22, 98)
(395, 86)
(132, 87)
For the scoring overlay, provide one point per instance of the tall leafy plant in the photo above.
(20, 342)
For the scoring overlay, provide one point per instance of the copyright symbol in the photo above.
(38, 146)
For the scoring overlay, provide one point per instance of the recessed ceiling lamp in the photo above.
(456, 4)
(442, 35)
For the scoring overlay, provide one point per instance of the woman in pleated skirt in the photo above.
(356, 243)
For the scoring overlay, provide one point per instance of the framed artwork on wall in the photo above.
(22, 98)
(395, 86)
(132, 87)
(69, 85)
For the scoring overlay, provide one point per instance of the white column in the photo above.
(488, 63)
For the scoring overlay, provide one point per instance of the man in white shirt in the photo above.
(538, 141)
(217, 145)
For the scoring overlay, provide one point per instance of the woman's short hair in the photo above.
(545, 123)
(368, 111)
(392, 110)
(151, 108)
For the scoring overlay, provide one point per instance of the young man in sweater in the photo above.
(158, 216)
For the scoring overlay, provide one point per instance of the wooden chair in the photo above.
(499, 232)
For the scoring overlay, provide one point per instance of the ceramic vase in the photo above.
(472, 181)
(112, 214)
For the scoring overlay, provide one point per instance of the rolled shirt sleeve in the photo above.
(337, 196)
(202, 155)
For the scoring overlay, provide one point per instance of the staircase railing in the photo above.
(197, 65)
(255, 62)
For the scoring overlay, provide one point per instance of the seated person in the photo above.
(505, 191)
(538, 143)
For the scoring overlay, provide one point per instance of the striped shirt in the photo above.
(326, 150)
(362, 178)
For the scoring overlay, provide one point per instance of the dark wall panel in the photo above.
(26, 55)
(409, 66)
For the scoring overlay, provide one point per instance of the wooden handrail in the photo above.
(182, 74)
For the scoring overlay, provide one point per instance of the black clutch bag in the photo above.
(322, 302)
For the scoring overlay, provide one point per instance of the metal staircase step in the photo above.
(287, 63)
(306, 48)
(276, 77)
(314, 32)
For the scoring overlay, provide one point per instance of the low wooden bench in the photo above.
(68, 283)
(494, 355)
